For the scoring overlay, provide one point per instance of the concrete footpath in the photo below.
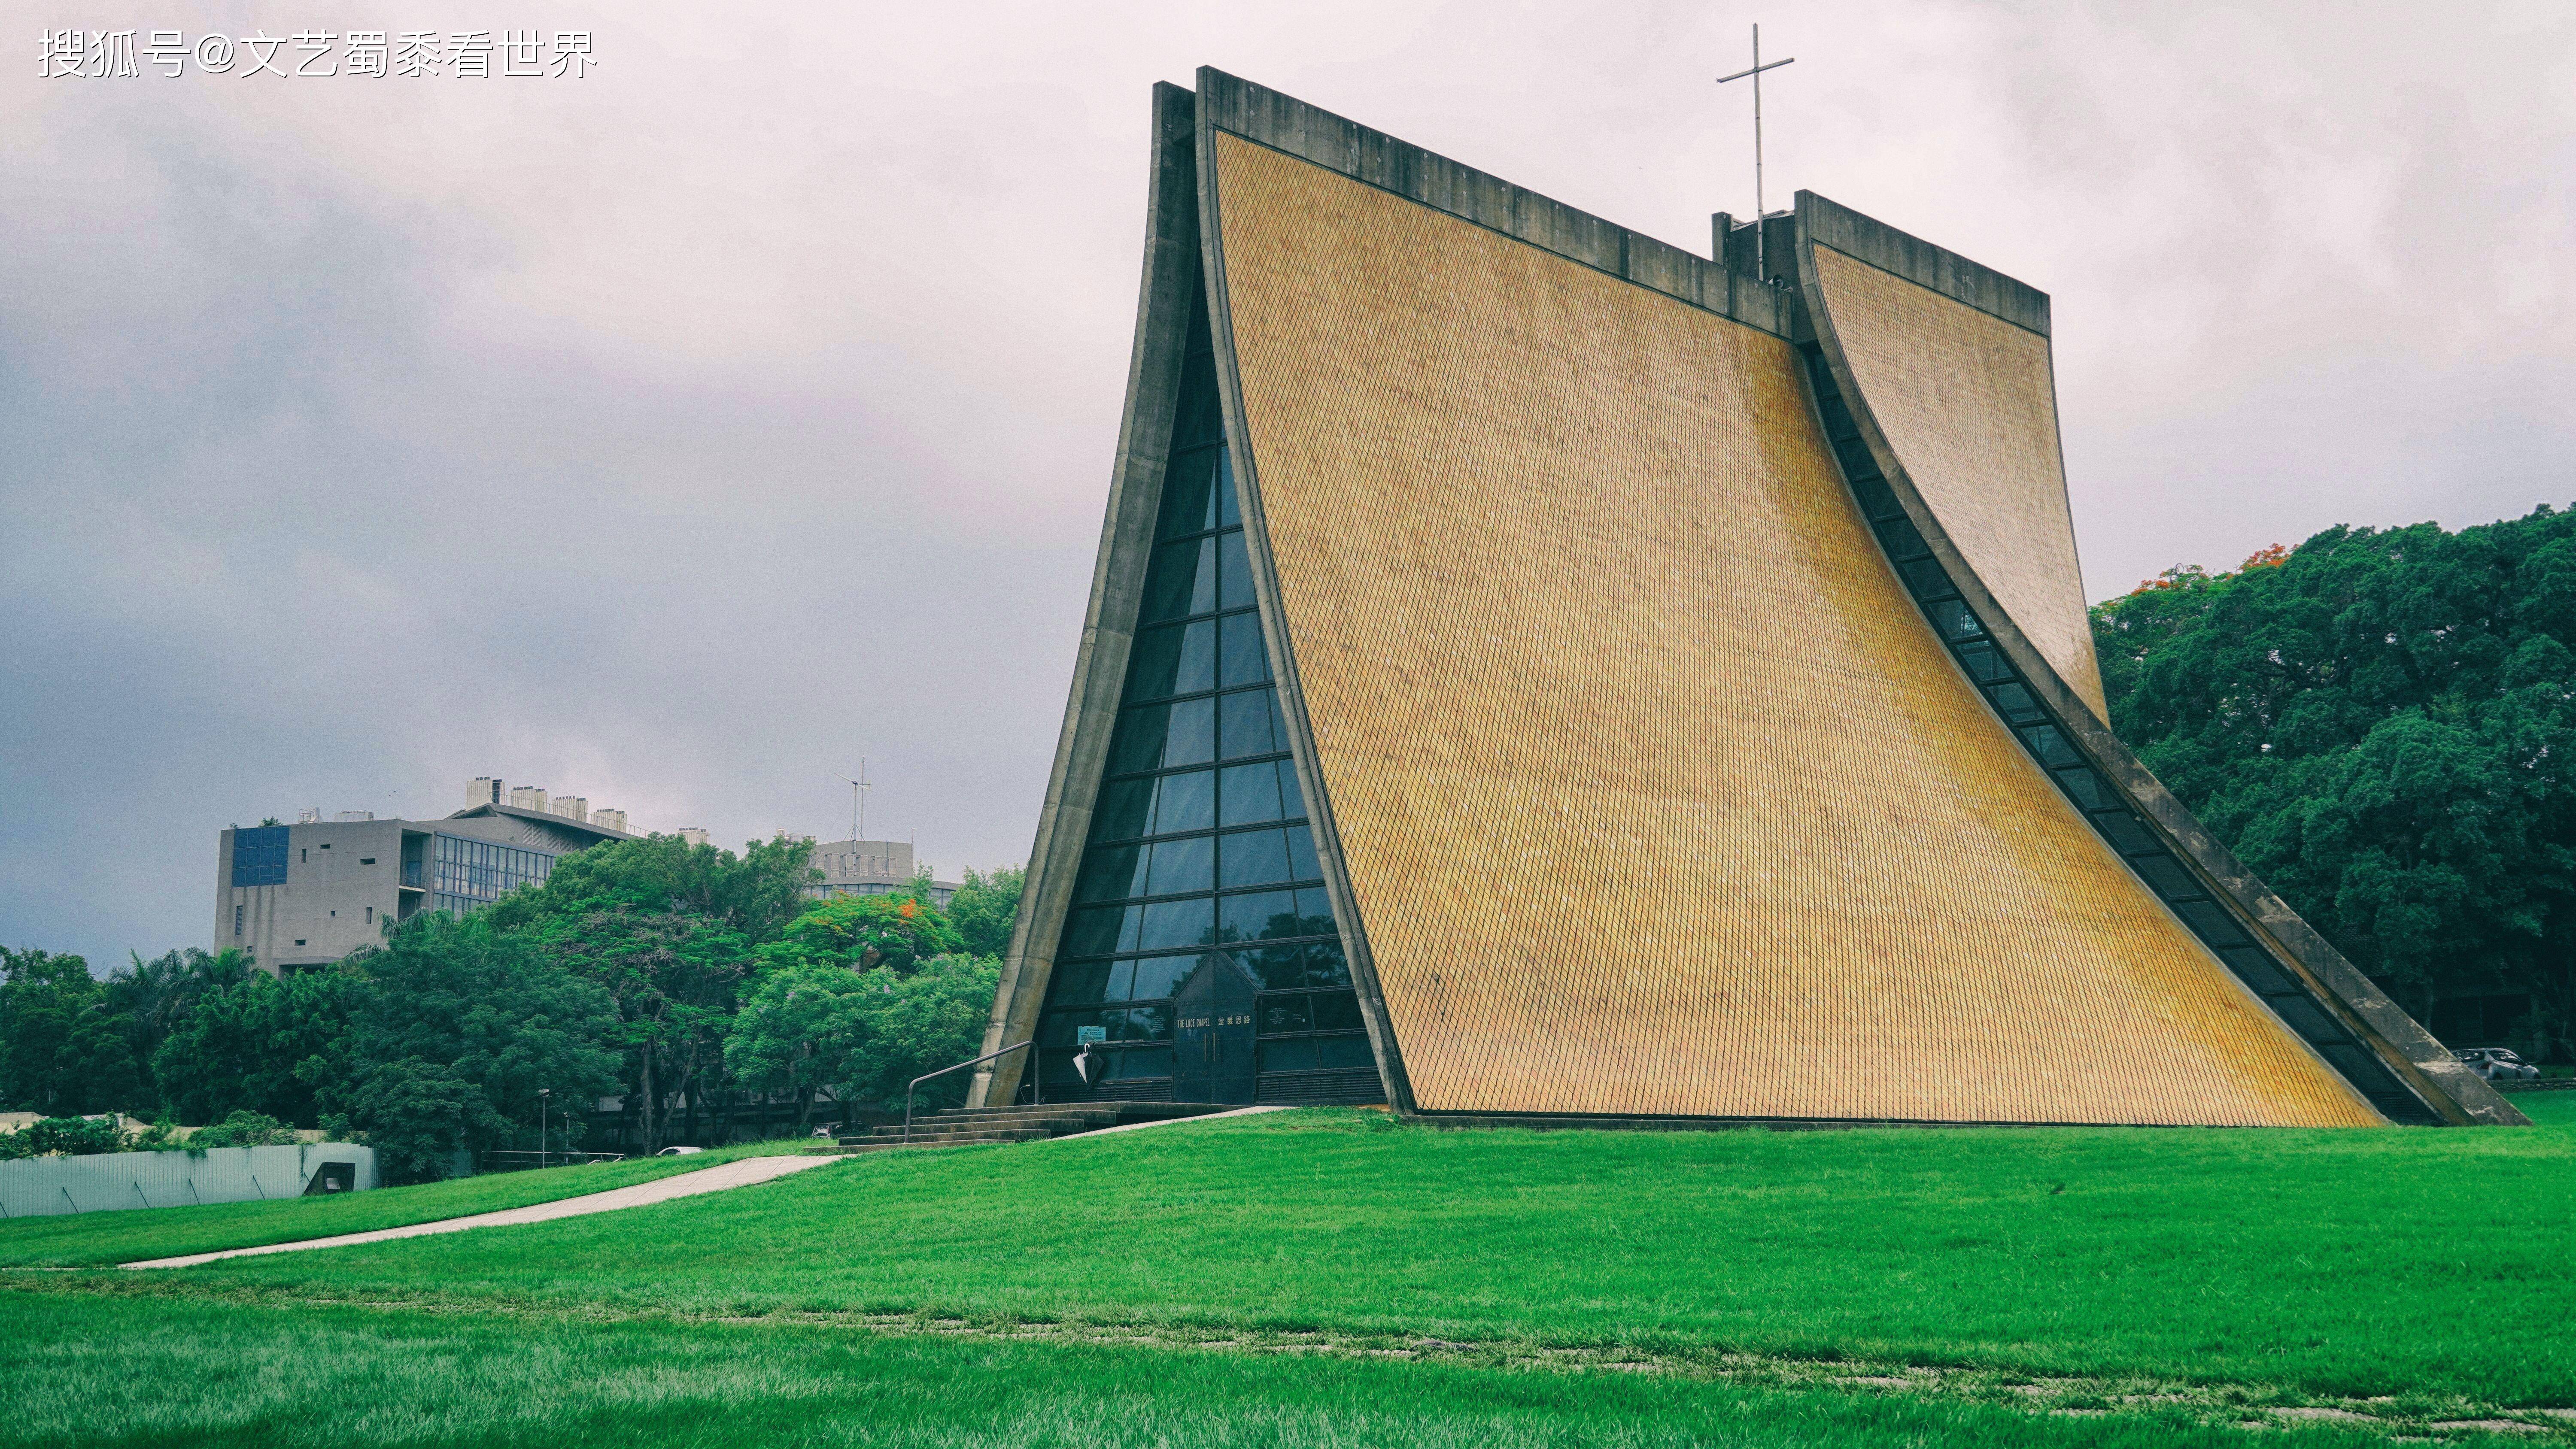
(741, 1172)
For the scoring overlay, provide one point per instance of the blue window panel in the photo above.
(1234, 571)
(1245, 661)
(1185, 802)
(1161, 736)
(1182, 865)
(1099, 931)
(1182, 581)
(1160, 976)
(1173, 659)
(259, 856)
(1250, 725)
(1112, 873)
(1177, 923)
(1252, 794)
(1252, 858)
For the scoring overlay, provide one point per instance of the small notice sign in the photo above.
(1087, 1034)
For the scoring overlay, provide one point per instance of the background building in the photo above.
(869, 868)
(307, 894)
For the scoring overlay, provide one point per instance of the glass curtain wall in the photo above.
(467, 874)
(1200, 854)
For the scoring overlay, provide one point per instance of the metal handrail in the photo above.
(944, 1071)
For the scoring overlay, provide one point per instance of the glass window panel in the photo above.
(1249, 918)
(1159, 976)
(1228, 514)
(1256, 857)
(1325, 965)
(2167, 875)
(1139, 743)
(1288, 1056)
(1283, 1014)
(1176, 923)
(1302, 864)
(1877, 498)
(1984, 664)
(2089, 789)
(1249, 794)
(2015, 702)
(2125, 833)
(1251, 725)
(1185, 493)
(1235, 569)
(1337, 1011)
(2052, 746)
(1061, 1028)
(2259, 970)
(1098, 932)
(1141, 1062)
(1335, 1053)
(1278, 968)
(1956, 620)
(1185, 802)
(1314, 912)
(1245, 660)
(1182, 865)
(2306, 1018)
(1182, 581)
(1111, 872)
(1126, 810)
(1148, 1023)
(1080, 984)
(1292, 802)
(1925, 578)
(1116, 979)
(1903, 540)
(1191, 739)
(2214, 924)
(1173, 659)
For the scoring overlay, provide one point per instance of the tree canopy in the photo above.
(2380, 723)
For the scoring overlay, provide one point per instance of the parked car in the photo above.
(2497, 1064)
(685, 1151)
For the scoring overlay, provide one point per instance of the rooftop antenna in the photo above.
(858, 805)
(1761, 266)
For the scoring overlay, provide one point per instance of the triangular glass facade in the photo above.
(1200, 860)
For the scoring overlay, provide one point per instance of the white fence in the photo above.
(34, 1187)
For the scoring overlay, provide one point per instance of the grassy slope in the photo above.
(105, 1238)
(2335, 1262)
(103, 1372)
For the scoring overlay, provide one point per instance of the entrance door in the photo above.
(1212, 1034)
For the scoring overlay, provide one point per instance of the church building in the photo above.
(1534, 673)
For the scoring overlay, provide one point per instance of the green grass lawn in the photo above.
(2348, 1263)
(109, 1373)
(106, 1238)
(1274, 1273)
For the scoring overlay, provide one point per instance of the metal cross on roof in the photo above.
(1760, 267)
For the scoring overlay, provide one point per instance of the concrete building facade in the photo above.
(869, 868)
(297, 896)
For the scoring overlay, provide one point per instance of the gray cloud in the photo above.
(681, 434)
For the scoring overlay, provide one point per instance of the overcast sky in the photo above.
(680, 434)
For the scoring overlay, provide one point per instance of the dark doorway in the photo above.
(1212, 1034)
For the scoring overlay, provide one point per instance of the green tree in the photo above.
(244, 1129)
(931, 1018)
(265, 1044)
(458, 1029)
(43, 998)
(2380, 724)
(802, 1030)
(985, 908)
(674, 978)
(898, 932)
